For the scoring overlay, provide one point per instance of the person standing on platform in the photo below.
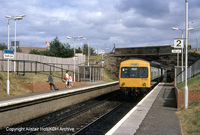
(67, 79)
(70, 81)
(50, 80)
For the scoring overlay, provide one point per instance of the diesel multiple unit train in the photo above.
(138, 75)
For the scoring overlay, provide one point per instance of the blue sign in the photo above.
(6, 51)
(8, 54)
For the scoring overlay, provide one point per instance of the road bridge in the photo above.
(162, 54)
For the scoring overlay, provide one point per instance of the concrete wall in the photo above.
(40, 58)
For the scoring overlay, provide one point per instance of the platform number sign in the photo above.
(178, 43)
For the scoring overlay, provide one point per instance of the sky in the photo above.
(125, 23)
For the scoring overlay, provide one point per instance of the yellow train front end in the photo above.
(134, 75)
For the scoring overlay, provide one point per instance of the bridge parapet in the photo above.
(149, 50)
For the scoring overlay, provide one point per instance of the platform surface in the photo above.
(45, 94)
(155, 115)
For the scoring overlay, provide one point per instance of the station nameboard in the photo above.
(8, 54)
(176, 51)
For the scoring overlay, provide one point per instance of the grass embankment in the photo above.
(190, 118)
(15, 82)
(16, 87)
(193, 84)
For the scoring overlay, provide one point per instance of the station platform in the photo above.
(18, 109)
(51, 93)
(154, 115)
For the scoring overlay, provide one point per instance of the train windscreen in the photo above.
(134, 72)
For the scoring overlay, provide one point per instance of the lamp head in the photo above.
(23, 15)
(174, 28)
(18, 18)
(80, 36)
(8, 16)
(190, 28)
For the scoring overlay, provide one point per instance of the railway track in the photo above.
(95, 116)
(51, 120)
(104, 123)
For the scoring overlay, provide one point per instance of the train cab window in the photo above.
(134, 72)
(143, 72)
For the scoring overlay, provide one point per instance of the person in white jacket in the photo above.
(70, 81)
(67, 80)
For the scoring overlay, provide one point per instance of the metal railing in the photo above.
(193, 70)
(85, 73)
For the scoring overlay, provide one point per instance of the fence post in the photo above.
(50, 68)
(17, 67)
(84, 73)
(36, 67)
(78, 74)
(31, 66)
(175, 76)
(62, 71)
(24, 69)
(90, 74)
(93, 74)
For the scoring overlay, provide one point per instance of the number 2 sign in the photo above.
(178, 43)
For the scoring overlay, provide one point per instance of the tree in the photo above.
(57, 49)
(85, 50)
(79, 50)
(34, 51)
(3, 46)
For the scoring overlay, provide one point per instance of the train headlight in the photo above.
(123, 84)
(144, 84)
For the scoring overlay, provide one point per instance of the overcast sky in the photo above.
(125, 23)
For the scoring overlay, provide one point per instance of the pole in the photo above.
(15, 49)
(186, 56)
(8, 82)
(88, 52)
(74, 60)
(182, 59)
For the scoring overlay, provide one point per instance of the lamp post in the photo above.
(173, 28)
(186, 56)
(9, 18)
(69, 37)
(88, 50)
(16, 18)
(81, 43)
(20, 17)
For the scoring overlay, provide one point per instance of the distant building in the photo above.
(28, 49)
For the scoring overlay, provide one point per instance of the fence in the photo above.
(193, 70)
(65, 62)
(36, 63)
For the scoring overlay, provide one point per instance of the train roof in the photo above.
(136, 59)
(152, 63)
(156, 64)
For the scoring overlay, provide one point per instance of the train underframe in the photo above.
(134, 91)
